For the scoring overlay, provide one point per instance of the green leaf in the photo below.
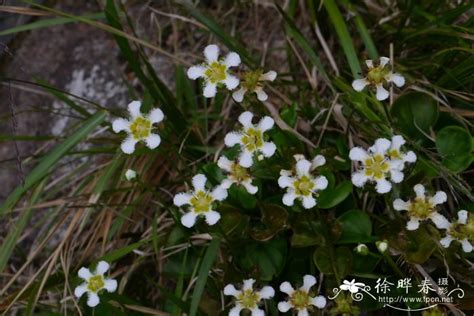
(48, 161)
(289, 114)
(454, 144)
(275, 218)
(356, 227)
(337, 261)
(333, 196)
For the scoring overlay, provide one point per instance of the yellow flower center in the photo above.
(248, 299)
(96, 283)
(377, 75)
(201, 202)
(252, 139)
(420, 208)
(239, 173)
(376, 167)
(300, 299)
(303, 186)
(216, 72)
(252, 80)
(140, 128)
(461, 231)
(394, 154)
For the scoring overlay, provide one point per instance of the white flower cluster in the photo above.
(94, 283)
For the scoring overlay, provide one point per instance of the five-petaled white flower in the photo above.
(377, 76)
(236, 174)
(396, 154)
(200, 201)
(376, 166)
(301, 299)
(251, 139)
(462, 231)
(215, 71)
(302, 184)
(248, 298)
(253, 81)
(139, 127)
(94, 283)
(351, 286)
(422, 208)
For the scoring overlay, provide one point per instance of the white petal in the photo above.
(440, 221)
(251, 189)
(308, 282)
(92, 299)
(219, 193)
(261, 95)
(318, 161)
(381, 146)
(189, 219)
(303, 312)
(235, 311)
(266, 292)
(302, 167)
(359, 84)
(257, 312)
(439, 198)
(396, 176)
(231, 82)
(232, 60)
(358, 154)
(211, 52)
(268, 149)
(248, 284)
(266, 123)
(369, 63)
(308, 202)
(224, 163)
(232, 138)
(321, 183)
(110, 285)
(227, 183)
(80, 290)
(381, 93)
(289, 198)
(284, 306)
(413, 223)
(84, 273)
(397, 79)
(466, 245)
(285, 181)
(210, 90)
(400, 205)
(383, 186)
(195, 72)
(128, 145)
(269, 76)
(245, 159)
(156, 116)
(230, 290)
(130, 174)
(462, 217)
(409, 157)
(446, 241)
(212, 217)
(134, 108)
(238, 95)
(319, 301)
(199, 182)
(397, 142)
(181, 199)
(153, 141)
(120, 125)
(246, 119)
(102, 267)
(359, 178)
(286, 288)
(419, 190)
(384, 61)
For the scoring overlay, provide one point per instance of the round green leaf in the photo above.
(333, 261)
(454, 144)
(356, 227)
(333, 196)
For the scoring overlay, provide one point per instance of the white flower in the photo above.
(376, 166)
(461, 231)
(301, 299)
(351, 286)
(139, 127)
(382, 245)
(302, 185)
(394, 152)
(248, 298)
(377, 76)
(130, 174)
(362, 249)
(200, 201)
(251, 139)
(253, 82)
(236, 174)
(94, 283)
(422, 208)
(215, 71)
